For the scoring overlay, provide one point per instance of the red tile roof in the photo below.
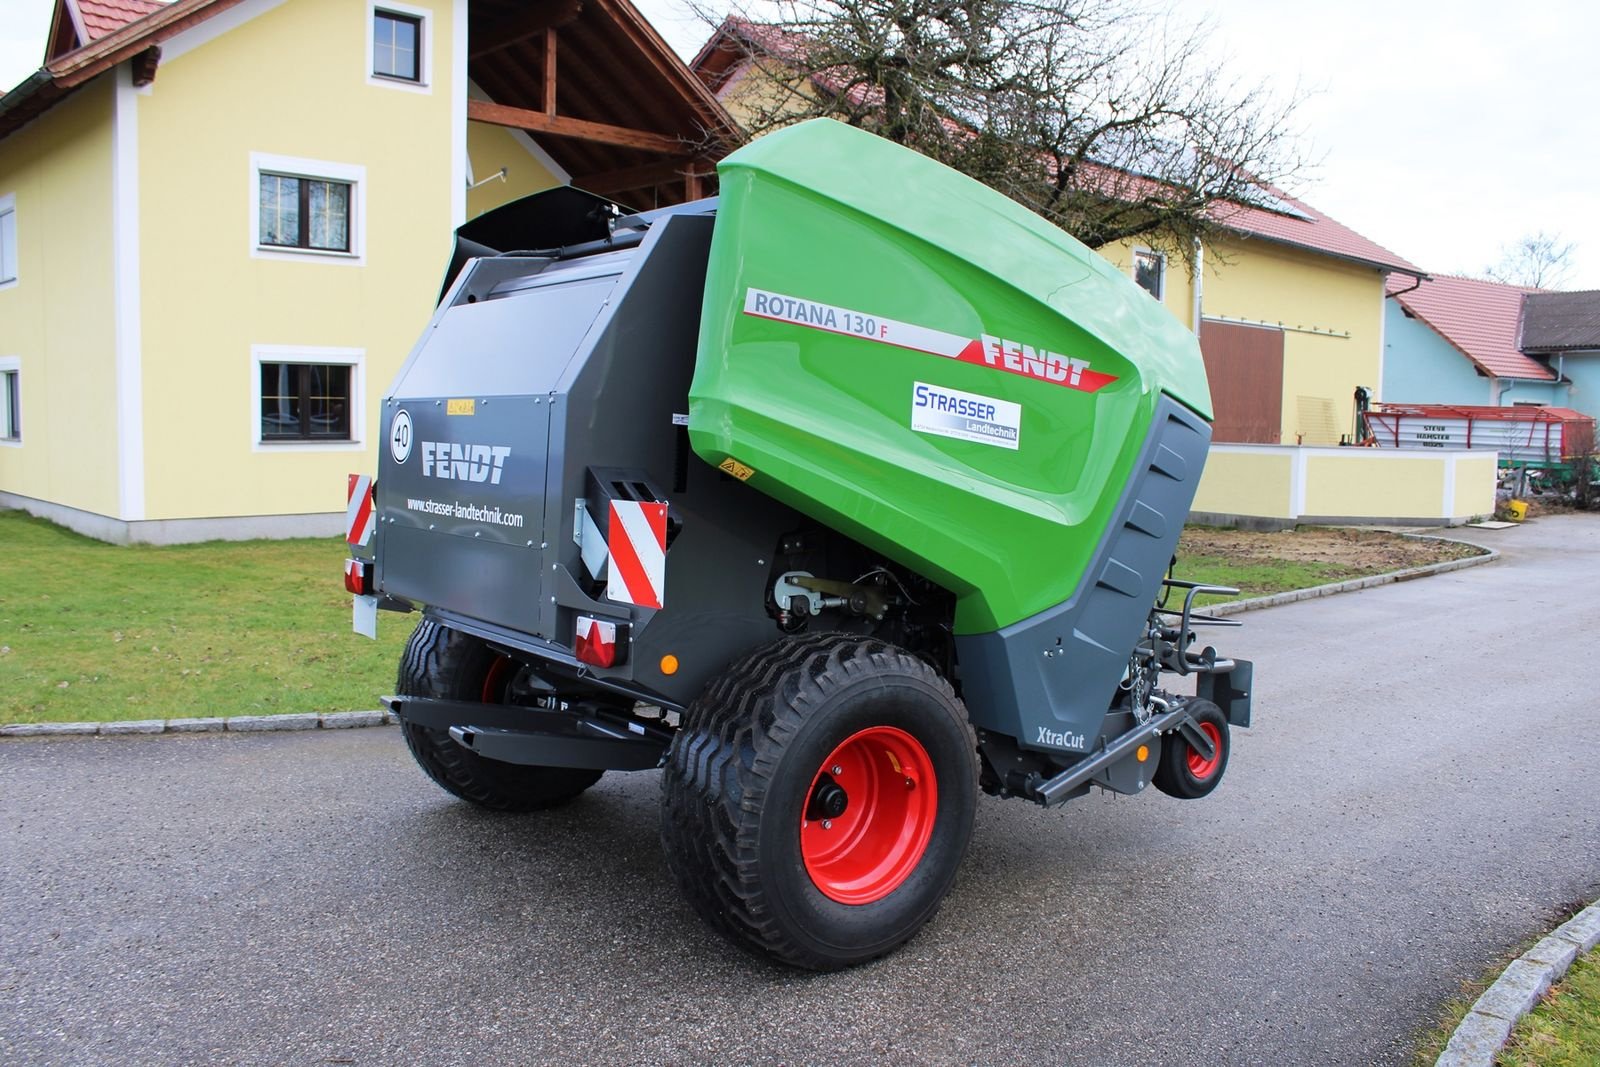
(1317, 232)
(101, 17)
(1479, 319)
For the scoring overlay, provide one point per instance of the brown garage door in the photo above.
(1245, 365)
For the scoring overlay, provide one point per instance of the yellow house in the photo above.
(224, 222)
(1288, 305)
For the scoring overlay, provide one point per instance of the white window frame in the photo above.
(10, 365)
(1133, 270)
(352, 174)
(8, 240)
(354, 358)
(424, 51)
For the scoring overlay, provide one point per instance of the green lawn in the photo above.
(1564, 1030)
(96, 632)
(1254, 578)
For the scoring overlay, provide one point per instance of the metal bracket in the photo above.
(590, 541)
(578, 737)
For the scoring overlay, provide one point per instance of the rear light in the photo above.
(358, 576)
(600, 643)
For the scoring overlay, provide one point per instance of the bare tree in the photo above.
(1540, 260)
(1104, 116)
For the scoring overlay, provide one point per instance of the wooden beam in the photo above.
(692, 188)
(624, 179)
(515, 29)
(522, 118)
(548, 98)
(144, 66)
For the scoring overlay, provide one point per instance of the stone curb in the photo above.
(1487, 1026)
(340, 720)
(1294, 596)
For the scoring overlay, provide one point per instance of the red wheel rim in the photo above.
(1199, 766)
(865, 852)
(492, 691)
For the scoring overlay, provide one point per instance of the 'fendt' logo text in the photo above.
(1033, 362)
(463, 463)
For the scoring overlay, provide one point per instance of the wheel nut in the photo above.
(827, 824)
(835, 769)
(910, 784)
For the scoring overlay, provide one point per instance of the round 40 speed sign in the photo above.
(400, 436)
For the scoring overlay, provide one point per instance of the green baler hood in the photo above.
(910, 357)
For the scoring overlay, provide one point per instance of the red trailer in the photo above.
(1524, 436)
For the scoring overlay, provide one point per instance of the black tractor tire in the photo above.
(447, 664)
(739, 820)
(1183, 773)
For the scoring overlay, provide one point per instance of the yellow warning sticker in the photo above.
(735, 468)
(461, 407)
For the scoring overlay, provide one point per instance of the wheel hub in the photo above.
(869, 815)
(828, 800)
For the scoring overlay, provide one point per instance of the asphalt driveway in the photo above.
(1419, 795)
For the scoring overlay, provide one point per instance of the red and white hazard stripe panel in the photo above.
(637, 542)
(360, 517)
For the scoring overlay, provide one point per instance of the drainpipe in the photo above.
(1199, 281)
(1561, 376)
(1506, 385)
(1416, 283)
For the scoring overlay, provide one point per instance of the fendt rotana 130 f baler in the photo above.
(838, 498)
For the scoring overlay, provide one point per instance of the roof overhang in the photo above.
(1374, 264)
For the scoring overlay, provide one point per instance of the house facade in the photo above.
(1562, 330)
(1289, 328)
(224, 222)
(1457, 340)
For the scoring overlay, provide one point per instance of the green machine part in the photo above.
(919, 362)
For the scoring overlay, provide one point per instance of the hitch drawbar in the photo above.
(1059, 789)
(578, 737)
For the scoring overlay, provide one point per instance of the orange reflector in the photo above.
(669, 664)
(1143, 753)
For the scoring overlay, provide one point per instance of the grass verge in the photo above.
(1564, 1029)
(1431, 1042)
(91, 632)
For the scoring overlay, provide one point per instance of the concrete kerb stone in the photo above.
(1487, 1027)
(1583, 928)
(345, 720)
(189, 726)
(341, 720)
(1517, 990)
(137, 726)
(259, 723)
(49, 729)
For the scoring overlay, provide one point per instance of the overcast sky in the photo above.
(1445, 129)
